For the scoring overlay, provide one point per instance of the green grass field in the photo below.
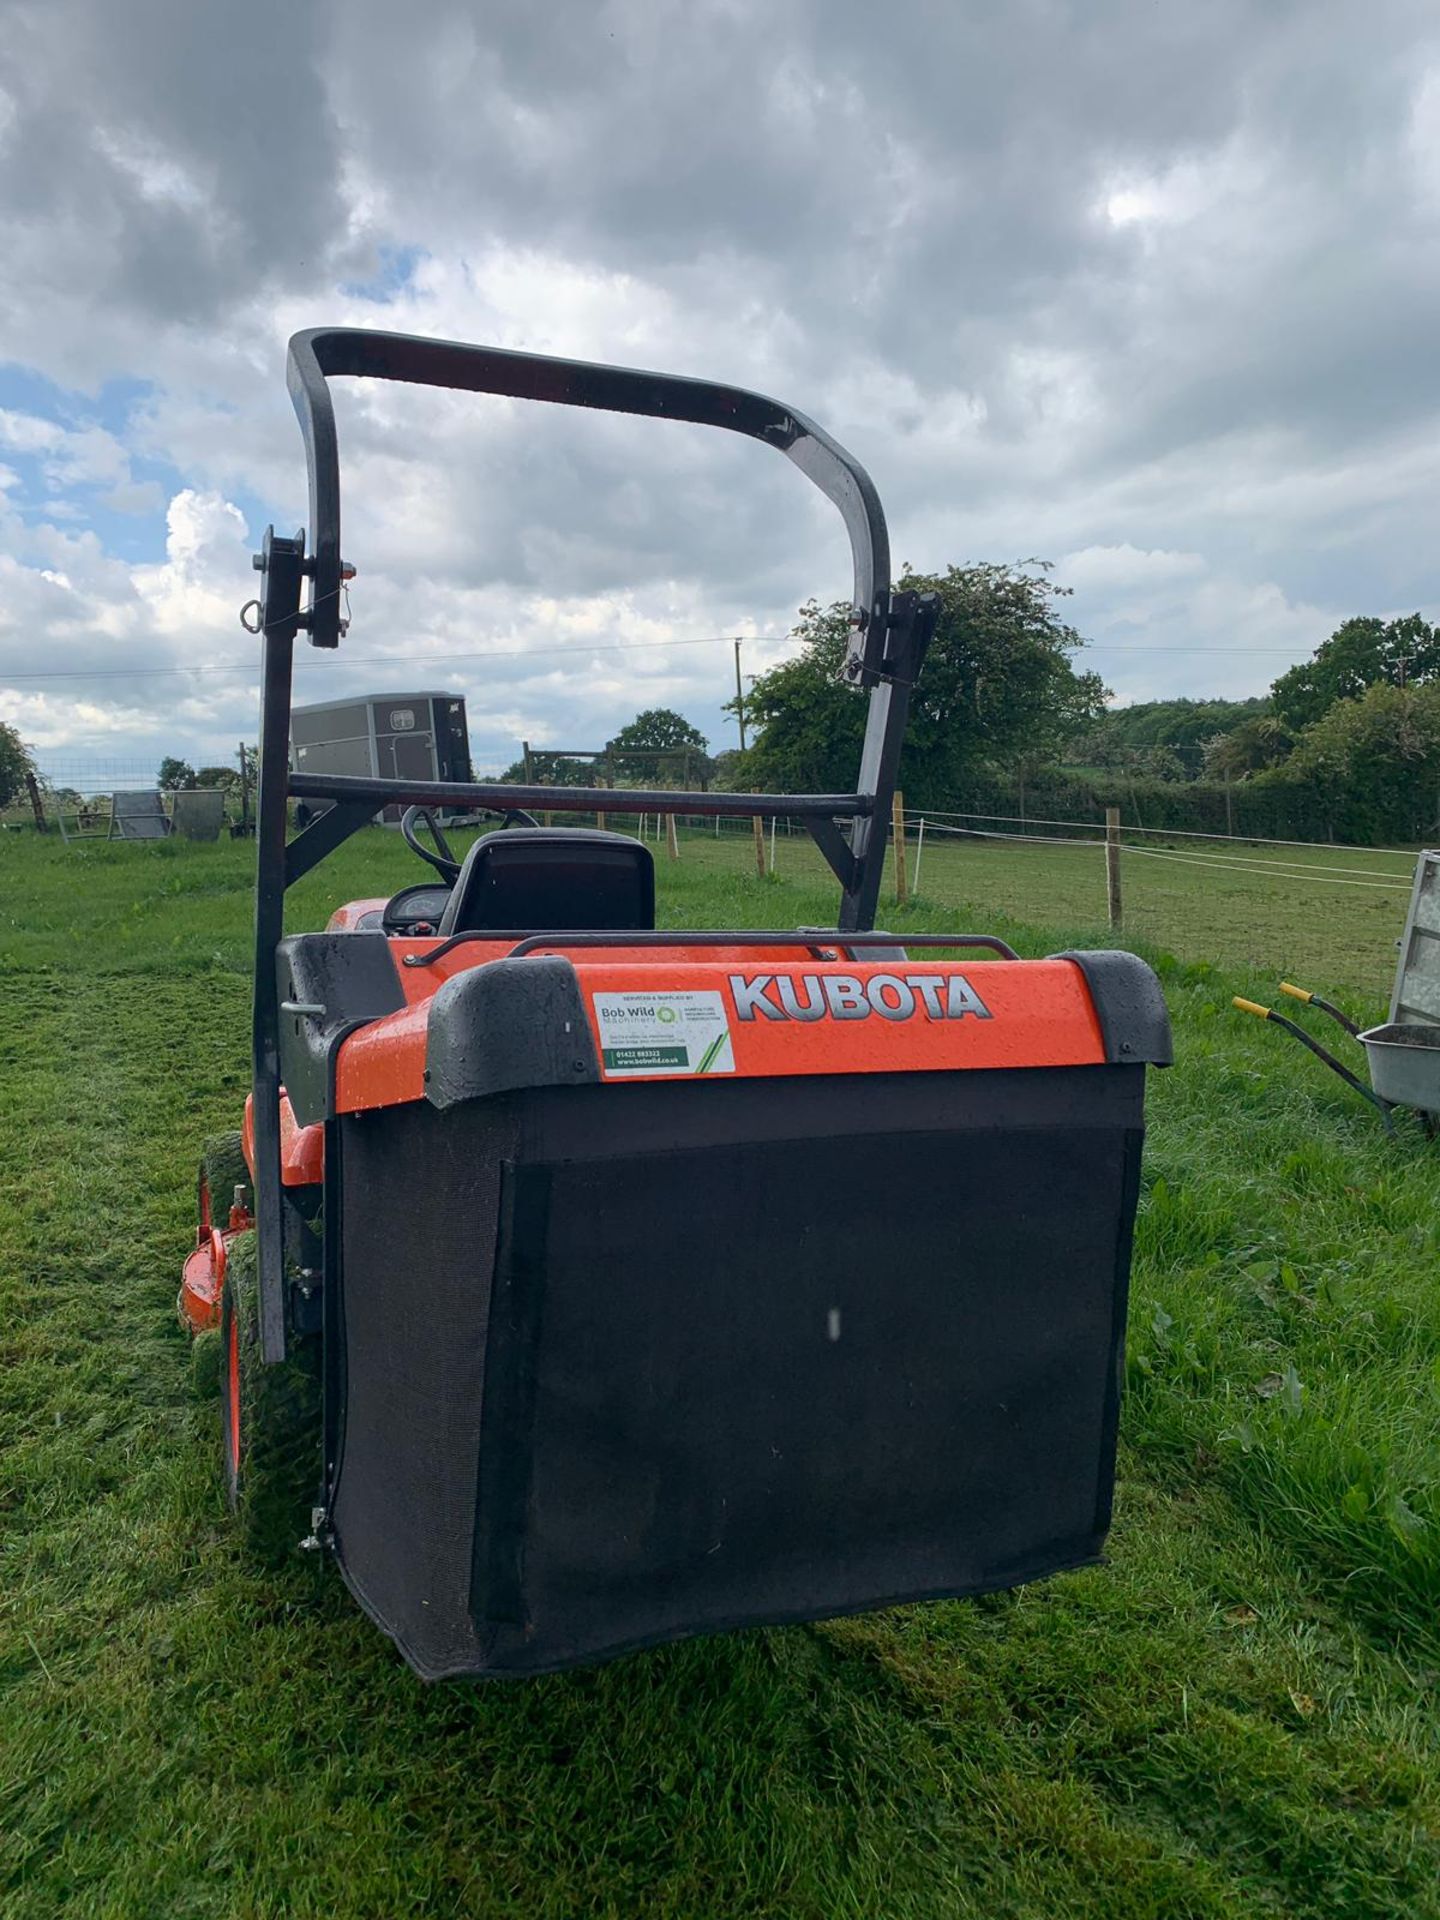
(1235, 1717)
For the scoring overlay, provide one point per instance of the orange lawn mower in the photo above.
(582, 1286)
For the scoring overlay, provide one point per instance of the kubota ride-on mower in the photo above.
(585, 1286)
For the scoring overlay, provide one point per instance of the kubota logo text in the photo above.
(841, 996)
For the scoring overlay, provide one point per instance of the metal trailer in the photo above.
(584, 1286)
(383, 736)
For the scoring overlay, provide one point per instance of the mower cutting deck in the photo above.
(607, 1285)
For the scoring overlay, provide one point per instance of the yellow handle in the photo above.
(1296, 993)
(1251, 1006)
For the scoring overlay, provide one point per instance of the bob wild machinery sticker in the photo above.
(663, 1033)
(670, 1032)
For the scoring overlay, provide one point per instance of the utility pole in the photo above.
(739, 697)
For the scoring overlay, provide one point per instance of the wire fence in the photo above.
(92, 776)
(913, 815)
(1387, 879)
(1329, 911)
(1328, 915)
(1326, 912)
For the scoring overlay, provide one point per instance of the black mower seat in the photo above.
(553, 879)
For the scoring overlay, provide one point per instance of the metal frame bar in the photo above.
(890, 632)
(814, 938)
(321, 353)
(499, 797)
(1400, 1009)
(282, 562)
(320, 839)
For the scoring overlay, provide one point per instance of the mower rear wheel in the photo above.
(222, 1170)
(270, 1419)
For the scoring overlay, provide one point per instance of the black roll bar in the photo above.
(320, 353)
(302, 592)
(500, 797)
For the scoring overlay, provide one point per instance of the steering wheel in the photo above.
(442, 859)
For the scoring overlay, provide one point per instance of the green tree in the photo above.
(726, 769)
(15, 764)
(1375, 764)
(1184, 726)
(1249, 748)
(175, 774)
(641, 752)
(998, 686)
(1361, 653)
(1164, 763)
(561, 772)
(225, 777)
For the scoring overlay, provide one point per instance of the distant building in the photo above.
(392, 736)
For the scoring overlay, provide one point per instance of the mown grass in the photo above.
(1235, 1717)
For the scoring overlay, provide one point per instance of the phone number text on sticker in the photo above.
(663, 1033)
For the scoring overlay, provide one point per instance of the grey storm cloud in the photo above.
(156, 153)
(1149, 290)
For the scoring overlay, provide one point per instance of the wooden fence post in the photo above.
(672, 836)
(897, 814)
(37, 806)
(759, 826)
(1112, 862)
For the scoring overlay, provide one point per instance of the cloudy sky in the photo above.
(1149, 290)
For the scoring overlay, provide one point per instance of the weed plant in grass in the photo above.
(1235, 1717)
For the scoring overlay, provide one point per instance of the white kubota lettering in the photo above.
(845, 997)
(750, 996)
(814, 1006)
(930, 986)
(842, 996)
(903, 1004)
(962, 999)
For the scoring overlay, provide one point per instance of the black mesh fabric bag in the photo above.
(625, 1364)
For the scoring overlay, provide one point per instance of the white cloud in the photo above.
(1152, 615)
(1122, 567)
(28, 433)
(1158, 301)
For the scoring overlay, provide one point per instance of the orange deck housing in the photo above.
(302, 1149)
(786, 1014)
